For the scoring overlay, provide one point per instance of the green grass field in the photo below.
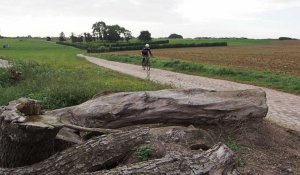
(55, 75)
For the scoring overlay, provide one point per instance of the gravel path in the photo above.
(284, 108)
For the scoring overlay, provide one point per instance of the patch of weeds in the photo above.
(237, 148)
(5, 80)
(233, 145)
(144, 152)
(239, 162)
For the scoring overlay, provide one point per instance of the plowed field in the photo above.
(279, 56)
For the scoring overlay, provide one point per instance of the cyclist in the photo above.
(146, 53)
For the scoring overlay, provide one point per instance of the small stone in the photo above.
(21, 119)
(191, 126)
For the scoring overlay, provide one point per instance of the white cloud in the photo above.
(202, 10)
(191, 18)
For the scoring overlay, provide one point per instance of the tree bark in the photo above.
(190, 106)
(105, 152)
(93, 155)
(27, 136)
(218, 160)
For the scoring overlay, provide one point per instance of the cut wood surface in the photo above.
(26, 137)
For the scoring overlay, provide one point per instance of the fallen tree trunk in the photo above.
(190, 106)
(93, 155)
(27, 136)
(218, 160)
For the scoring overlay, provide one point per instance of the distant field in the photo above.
(279, 56)
(55, 75)
(231, 42)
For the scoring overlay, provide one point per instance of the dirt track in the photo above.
(284, 108)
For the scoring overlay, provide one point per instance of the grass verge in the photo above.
(56, 76)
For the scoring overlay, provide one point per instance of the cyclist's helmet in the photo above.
(147, 46)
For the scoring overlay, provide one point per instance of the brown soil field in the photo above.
(279, 56)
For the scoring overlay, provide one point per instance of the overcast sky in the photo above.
(190, 18)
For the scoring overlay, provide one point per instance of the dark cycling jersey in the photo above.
(146, 52)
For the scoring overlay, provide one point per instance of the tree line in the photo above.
(107, 33)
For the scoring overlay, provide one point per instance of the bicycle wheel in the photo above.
(148, 66)
(144, 63)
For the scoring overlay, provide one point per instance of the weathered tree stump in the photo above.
(25, 140)
(189, 106)
(27, 136)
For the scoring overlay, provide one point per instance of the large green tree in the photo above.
(62, 37)
(175, 36)
(127, 35)
(88, 37)
(73, 38)
(99, 30)
(76, 39)
(113, 33)
(145, 36)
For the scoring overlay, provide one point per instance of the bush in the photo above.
(158, 46)
(159, 42)
(175, 36)
(286, 38)
(131, 44)
(98, 50)
(145, 36)
(95, 47)
(76, 45)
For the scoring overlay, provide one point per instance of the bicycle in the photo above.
(146, 63)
